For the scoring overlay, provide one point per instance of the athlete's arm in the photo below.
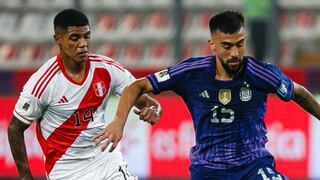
(113, 132)
(18, 148)
(149, 110)
(135, 95)
(306, 100)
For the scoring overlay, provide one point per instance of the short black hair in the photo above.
(227, 22)
(70, 17)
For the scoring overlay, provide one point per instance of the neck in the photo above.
(223, 75)
(74, 69)
(72, 66)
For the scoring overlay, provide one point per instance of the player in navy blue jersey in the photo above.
(226, 95)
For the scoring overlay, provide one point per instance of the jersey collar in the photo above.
(66, 74)
(236, 79)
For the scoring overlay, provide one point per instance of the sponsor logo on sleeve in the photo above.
(283, 89)
(162, 75)
(25, 106)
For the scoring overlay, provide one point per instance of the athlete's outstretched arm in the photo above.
(306, 100)
(18, 148)
(149, 110)
(113, 132)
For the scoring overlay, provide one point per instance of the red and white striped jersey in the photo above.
(69, 114)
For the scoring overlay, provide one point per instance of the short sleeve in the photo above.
(284, 88)
(28, 108)
(166, 80)
(122, 78)
(268, 77)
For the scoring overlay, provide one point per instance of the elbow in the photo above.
(144, 85)
(133, 89)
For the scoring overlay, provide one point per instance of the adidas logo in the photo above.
(63, 99)
(204, 94)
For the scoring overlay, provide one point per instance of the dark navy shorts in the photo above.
(260, 169)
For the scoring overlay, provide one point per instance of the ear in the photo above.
(57, 39)
(212, 45)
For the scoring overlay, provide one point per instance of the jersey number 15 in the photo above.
(222, 115)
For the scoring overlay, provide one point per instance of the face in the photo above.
(229, 49)
(74, 42)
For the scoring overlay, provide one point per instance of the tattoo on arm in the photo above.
(18, 149)
(306, 100)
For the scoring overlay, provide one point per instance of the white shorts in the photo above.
(104, 166)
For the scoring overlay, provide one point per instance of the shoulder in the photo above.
(261, 68)
(104, 61)
(48, 67)
(192, 64)
(263, 71)
(255, 65)
(41, 79)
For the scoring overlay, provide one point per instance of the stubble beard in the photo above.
(232, 71)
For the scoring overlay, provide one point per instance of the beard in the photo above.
(232, 70)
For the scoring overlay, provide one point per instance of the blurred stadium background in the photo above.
(146, 36)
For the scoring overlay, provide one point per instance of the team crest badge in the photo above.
(225, 96)
(245, 94)
(100, 89)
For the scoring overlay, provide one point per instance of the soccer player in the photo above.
(67, 98)
(226, 95)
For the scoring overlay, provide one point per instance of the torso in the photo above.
(72, 111)
(228, 116)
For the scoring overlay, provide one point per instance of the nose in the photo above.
(83, 43)
(234, 52)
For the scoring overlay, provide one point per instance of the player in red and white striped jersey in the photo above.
(67, 98)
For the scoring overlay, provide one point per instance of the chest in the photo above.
(67, 97)
(205, 93)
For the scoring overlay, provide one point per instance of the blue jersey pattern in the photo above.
(228, 116)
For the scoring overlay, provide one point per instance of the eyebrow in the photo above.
(78, 34)
(242, 40)
(230, 44)
(70, 28)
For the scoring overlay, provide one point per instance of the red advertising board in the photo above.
(288, 134)
(35, 157)
(171, 139)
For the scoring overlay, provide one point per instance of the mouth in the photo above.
(234, 62)
(83, 53)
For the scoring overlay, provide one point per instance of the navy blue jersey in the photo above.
(228, 116)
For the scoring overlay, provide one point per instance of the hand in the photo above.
(148, 114)
(112, 133)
